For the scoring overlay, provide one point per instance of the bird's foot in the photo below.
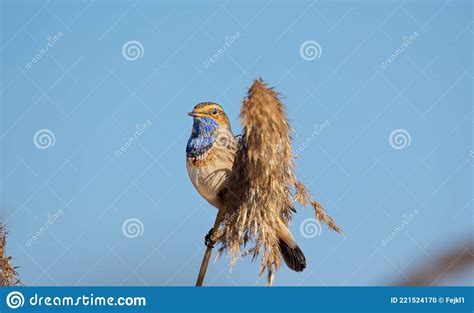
(209, 240)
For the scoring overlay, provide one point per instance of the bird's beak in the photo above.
(195, 114)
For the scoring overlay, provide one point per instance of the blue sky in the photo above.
(380, 96)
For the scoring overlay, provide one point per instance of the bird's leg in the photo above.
(208, 239)
(213, 234)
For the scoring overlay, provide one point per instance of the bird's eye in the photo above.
(214, 111)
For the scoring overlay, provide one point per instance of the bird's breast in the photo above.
(208, 173)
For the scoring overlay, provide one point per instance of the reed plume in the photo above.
(8, 273)
(262, 187)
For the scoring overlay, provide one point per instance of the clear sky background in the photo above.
(85, 94)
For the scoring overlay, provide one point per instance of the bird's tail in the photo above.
(292, 255)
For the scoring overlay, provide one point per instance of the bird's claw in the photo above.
(208, 239)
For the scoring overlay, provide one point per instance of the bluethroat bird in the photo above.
(210, 154)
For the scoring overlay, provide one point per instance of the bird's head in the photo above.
(209, 113)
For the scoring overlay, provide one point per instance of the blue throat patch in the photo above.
(201, 138)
